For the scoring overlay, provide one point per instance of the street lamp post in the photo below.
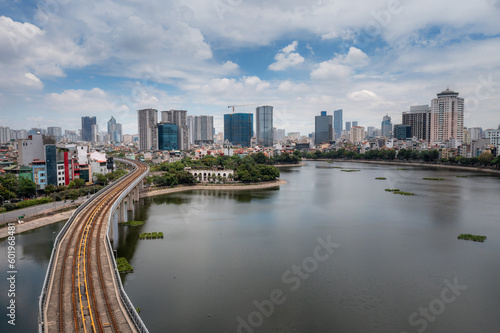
(3, 206)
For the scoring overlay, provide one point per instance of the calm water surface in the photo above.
(226, 255)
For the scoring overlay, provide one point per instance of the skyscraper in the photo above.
(178, 117)
(238, 128)
(386, 126)
(419, 118)
(264, 119)
(338, 123)
(355, 123)
(203, 130)
(87, 123)
(148, 132)
(447, 117)
(167, 136)
(323, 128)
(55, 132)
(357, 134)
(114, 130)
(191, 130)
(347, 126)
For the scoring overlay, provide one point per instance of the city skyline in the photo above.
(380, 59)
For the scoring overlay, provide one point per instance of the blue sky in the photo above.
(63, 59)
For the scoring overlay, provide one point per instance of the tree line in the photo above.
(252, 168)
(429, 156)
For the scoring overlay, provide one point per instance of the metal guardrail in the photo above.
(48, 275)
(139, 324)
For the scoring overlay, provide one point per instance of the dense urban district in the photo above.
(44, 165)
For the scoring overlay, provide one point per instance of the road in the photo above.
(35, 210)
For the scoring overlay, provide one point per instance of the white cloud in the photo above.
(286, 58)
(362, 95)
(340, 66)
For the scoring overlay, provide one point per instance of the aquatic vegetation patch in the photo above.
(132, 223)
(151, 235)
(474, 238)
(123, 265)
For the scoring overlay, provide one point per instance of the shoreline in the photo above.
(415, 164)
(58, 217)
(289, 165)
(235, 187)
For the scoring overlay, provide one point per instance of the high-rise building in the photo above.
(354, 123)
(87, 123)
(55, 132)
(337, 123)
(402, 131)
(419, 119)
(476, 133)
(114, 130)
(167, 136)
(71, 136)
(119, 132)
(95, 133)
(387, 126)
(203, 130)
(347, 126)
(191, 130)
(238, 128)
(5, 134)
(278, 134)
(357, 134)
(323, 128)
(148, 130)
(178, 117)
(447, 117)
(264, 127)
(371, 131)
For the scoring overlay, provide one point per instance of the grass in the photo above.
(350, 170)
(123, 265)
(151, 235)
(381, 178)
(402, 168)
(392, 190)
(474, 238)
(461, 176)
(431, 178)
(132, 223)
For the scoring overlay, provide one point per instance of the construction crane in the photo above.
(233, 106)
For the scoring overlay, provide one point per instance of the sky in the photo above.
(64, 59)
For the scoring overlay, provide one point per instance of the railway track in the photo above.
(83, 295)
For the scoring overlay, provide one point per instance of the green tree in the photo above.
(101, 179)
(6, 194)
(10, 182)
(50, 189)
(260, 158)
(73, 195)
(485, 158)
(27, 187)
(79, 182)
